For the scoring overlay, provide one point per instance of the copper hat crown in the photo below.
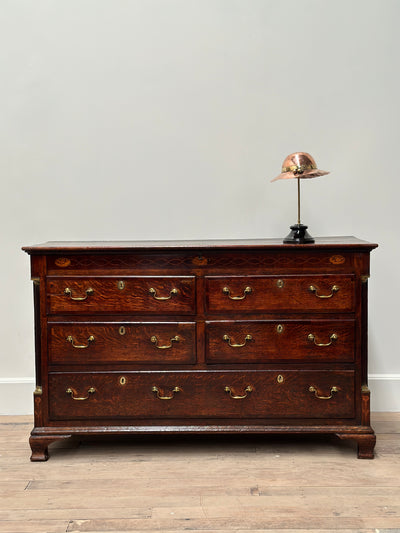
(299, 165)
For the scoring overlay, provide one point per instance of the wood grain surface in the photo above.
(136, 296)
(267, 294)
(114, 342)
(280, 341)
(202, 395)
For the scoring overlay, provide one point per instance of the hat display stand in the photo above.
(299, 165)
(298, 233)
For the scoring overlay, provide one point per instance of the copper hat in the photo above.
(299, 165)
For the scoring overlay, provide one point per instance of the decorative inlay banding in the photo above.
(248, 260)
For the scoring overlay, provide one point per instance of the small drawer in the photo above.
(284, 341)
(308, 293)
(243, 395)
(145, 295)
(116, 342)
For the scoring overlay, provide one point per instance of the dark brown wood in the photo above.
(138, 295)
(39, 445)
(366, 443)
(193, 356)
(365, 405)
(283, 293)
(86, 343)
(38, 351)
(202, 394)
(280, 341)
(340, 243)
(364, 330)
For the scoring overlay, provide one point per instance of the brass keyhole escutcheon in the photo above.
(122, 380)
(280, 379)
(279, 328)
(280, 283)
(121, 285)
(122, 330)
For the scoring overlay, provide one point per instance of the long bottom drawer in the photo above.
(202, 394)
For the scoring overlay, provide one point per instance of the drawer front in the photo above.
(203, 394)
(269, 341)
(272, 293)
(147, 295)
(113, 342)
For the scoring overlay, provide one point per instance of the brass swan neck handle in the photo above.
(246, 291)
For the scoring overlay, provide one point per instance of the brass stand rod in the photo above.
(298, 201)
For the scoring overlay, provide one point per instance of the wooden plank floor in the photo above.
(200, 483)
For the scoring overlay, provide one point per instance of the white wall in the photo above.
(153, 119)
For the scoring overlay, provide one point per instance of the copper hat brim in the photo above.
(312, 173)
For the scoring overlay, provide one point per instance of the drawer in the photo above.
(307, 293)
(146, 295)
(113, 342)
(202, 394)
(269, 341)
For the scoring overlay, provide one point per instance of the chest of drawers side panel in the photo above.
(40, 395)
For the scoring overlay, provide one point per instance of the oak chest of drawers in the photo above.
(201, 336)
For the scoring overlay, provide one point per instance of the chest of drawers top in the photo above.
(327, 255)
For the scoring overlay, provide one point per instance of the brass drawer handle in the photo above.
(68, 292)
(72, 341)
(248, 389)
(72, 392)
(159, 393)
(247, 290)
(315, 390)
(153, 292)
(228, 340)
(165, 347)
(333, 337)
(313, 289)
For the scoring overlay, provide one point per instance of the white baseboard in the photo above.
(16, 394)
(385, 392)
